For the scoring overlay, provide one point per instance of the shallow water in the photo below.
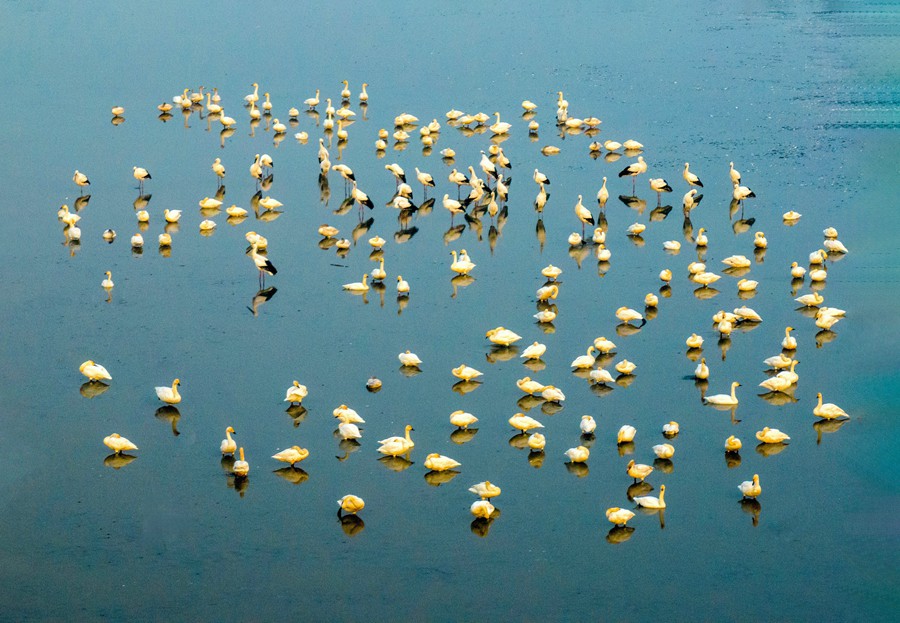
(803, 100)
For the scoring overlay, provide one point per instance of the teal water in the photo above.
(803, 100)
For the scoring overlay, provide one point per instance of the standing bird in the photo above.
(425, 179)
(633, 170)
(659, 186)
(690, 178)
(81, 180)
(141, 174)
(584, 215)
(741, 192)
(735, 174)
(602, 195)
(262, 263)
(539, 178)
(219, 169)
(228, 446)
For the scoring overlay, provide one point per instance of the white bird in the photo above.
(649, 501)
(771, 435)
(94, 371)
(588, 424)
(409, 359)
(169, 395)
(750, 489)
(296, 393)
(579, 454)
(118, 444)
(228, 445)
(535, 351)
(828, 411)
(462, 419)
(723, 399)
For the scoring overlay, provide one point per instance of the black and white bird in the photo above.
(263, 264)
(584, 215)
(141, 174)
(689, 177)
(633, 170)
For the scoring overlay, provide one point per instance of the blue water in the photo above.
(803, 99)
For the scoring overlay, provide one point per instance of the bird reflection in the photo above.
(170, 414)
(579, 470)
(551, 408)
(635, 203)
(352, 525)
(519, 441)
(666, 466)
(619, 534)
(436, 479)
(742, 226)
(81, 202)
(261, 297)
(770, 449)
(528, 402)
(481, 526)
(464, 387)
(661, 512)
(753, 508)
(625, 448)
(92, 389)
(824, 337)
(600, 389)
(294, 475)
(395, 463)
(732, 460)
(463, 435)
(704, 293)
(826, 426)
(460, 281)
(297, 413)
(659, 213)
(778, 398)
(348, 446)
(535, 365)
(638, 489)
(501, 353)
(118, 461)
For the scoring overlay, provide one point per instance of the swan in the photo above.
(701, 372)
(818, 274)
(551, 272)
(485, 490)
(462, 419)
(694, 341)
(618, 516)
(574, 239)
(137, 241)
(291, 455)
(791, 215)
(638, 471)
(828, 411)
(228, 445)
(776, 384)
(358, 286)
(584, 361)
(165, 240)
(599, 236)
(737, 261)
(603, 345)
(797, 271)
(790, 375)
(695, 268)
(440, 463)
(537, 442)
(747, 285)
(778, 362)
(705, 279)
(207, 225)
(109, 235)
(664, 450)
(351, 504)
(626, 314)
(625, 367)
(296, 393)
(588, 424)
(649, 501)
(747, 314)
(409, 359)
(665, 275)
(578, 455)
(524, 423)
(402, 286)
(169, 395)
(379, 274)
(626, 434)
(548, 292)
(118, 444)
(834, 246)
(759, 240)
(672, 245)
(552, 393)
(172, 216)
(235, 211)
(465, 373)
(346, 414)
(701, 240)
(671, 429)
(750, 489)
(312, 102)
(636, 229)
(601, 376)
(349, 430)
(771, 435)
(826, 321)
(461, 266)
(502, 336)
(241, 468)
(733, 444)
(528, 386)
(482, 509)
(535, 351)
(723, 399)
(651, 300)
(395, 446)
(94, 371)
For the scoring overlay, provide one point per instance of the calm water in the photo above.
(804, 100)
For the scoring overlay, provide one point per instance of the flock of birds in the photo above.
(486, 193)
